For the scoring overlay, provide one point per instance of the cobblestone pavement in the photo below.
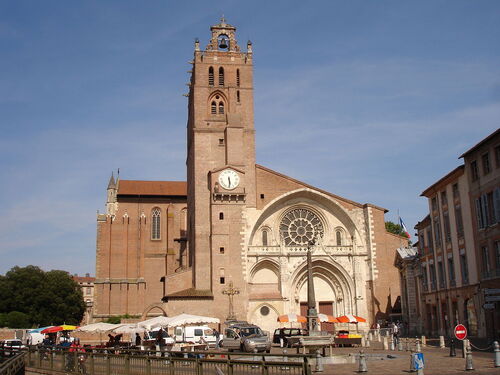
(437, 362)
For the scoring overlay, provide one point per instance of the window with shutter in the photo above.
(496, 204)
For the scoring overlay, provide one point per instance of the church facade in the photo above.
(166, 247)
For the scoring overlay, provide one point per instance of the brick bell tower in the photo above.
(220, 162)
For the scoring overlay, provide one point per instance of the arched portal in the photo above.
(332, 287)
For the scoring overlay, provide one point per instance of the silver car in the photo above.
(246, 337)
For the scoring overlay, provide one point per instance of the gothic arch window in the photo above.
(238, 77)
(300, 226)
(156, 224)
(217, 104)
(221, 76)
(264, 237)
(211, 76)
(339, 237)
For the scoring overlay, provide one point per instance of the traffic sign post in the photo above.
(460, 332)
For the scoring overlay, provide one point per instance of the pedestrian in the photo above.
(395, 332)
(217, 338)
(159, 341)
(137, 339)
(282, 337)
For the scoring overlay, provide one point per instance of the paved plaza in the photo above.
(437, 362)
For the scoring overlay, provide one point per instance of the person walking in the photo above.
(137, 339)
(217, 338)
(282, 337)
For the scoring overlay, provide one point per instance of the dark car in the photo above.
(288, 333)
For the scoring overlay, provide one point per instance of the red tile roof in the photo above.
(137, 187)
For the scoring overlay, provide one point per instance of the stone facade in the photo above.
(459, 246)
(239, 222)
(86, 284)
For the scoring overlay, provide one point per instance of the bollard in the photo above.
(465, 343)
(417, 344)
(319, 362)
(400, 345)
(378, 337)
(392, 342)
(386, 346)
(367, 343)
(468, 358)
(441, 342)
(452, 348)
(496, 350)
(370, 336)
(363, 341)
(408, 348)
(424, 341)
(362, 362)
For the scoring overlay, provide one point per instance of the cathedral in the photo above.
(237, 230)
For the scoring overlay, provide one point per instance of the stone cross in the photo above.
(231, 291)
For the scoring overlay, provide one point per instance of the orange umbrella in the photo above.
(292, 318)
(350, 319)
(327, 318)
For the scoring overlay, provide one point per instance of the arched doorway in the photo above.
(332, 287)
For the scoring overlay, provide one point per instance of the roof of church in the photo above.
(138, 187)
(321, 190)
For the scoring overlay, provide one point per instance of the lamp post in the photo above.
(312, 314)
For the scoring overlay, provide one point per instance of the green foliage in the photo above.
(16, 319)
(114, 320)
(394, 228)
(45, 298)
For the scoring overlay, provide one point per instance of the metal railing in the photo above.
(133, 362)
(13, 365)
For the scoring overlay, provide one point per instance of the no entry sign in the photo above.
(460, 332)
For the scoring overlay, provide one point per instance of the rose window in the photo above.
(300, 226)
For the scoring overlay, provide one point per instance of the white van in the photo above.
(195, 334)
(34, 338)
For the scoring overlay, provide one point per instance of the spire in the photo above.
(112, 183)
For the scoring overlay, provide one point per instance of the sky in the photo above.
(370, 100)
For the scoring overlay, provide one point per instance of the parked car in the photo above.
(288, 332)
(195, 334)
(245, 337)
(11, 346)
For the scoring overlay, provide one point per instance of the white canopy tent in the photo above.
(187, 319)
(99, 327)
(159, 321)
(129, 328)
(178, 320)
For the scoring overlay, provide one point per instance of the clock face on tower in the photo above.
(229, 179)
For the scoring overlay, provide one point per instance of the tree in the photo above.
(396, 229)
(45, 298)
